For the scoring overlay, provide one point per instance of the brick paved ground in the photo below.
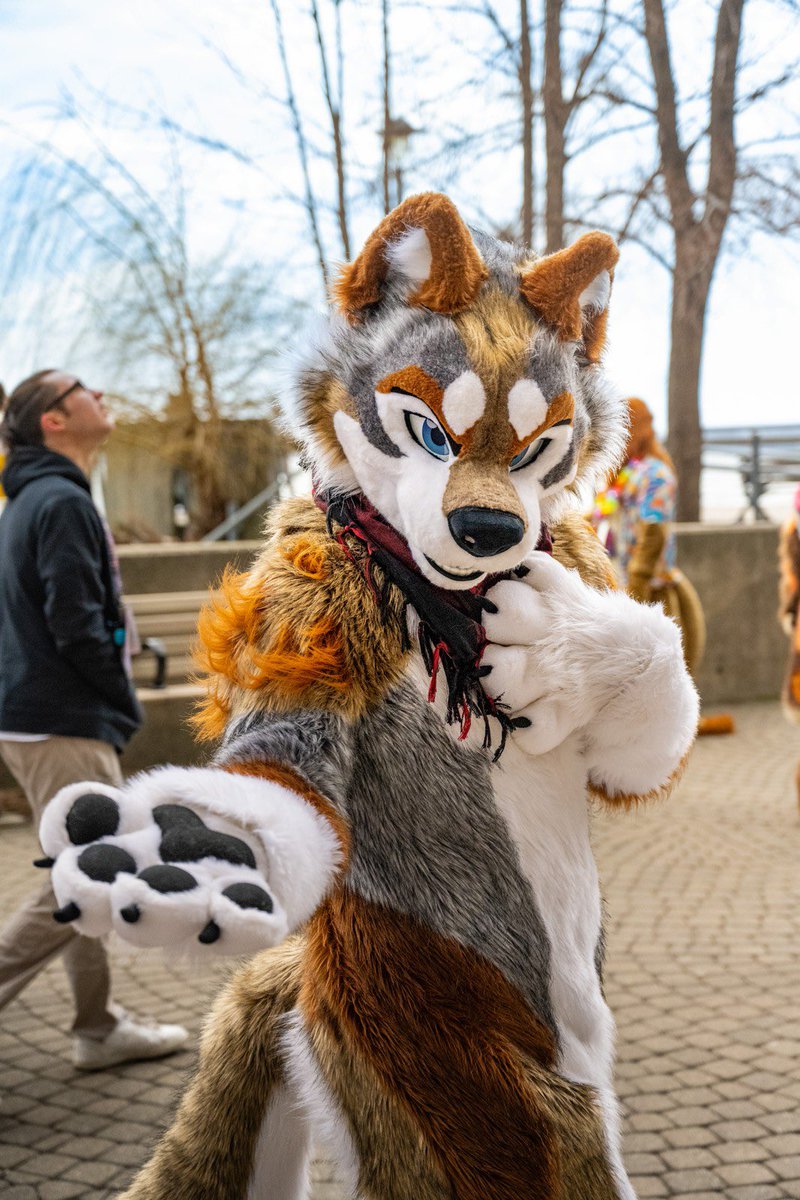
(703, 976)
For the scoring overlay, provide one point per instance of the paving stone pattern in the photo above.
(703, 896)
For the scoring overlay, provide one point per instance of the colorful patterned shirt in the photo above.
(644, 490)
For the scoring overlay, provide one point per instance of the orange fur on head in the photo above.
(553, 286)
(457, 271)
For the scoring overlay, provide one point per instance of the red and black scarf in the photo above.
(450, 623)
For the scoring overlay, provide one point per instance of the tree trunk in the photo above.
(387, 106)
(555, 119)
(697, 242)
(691, 284)
(526, 94)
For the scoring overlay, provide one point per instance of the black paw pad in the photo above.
(91, 817)
(70, 912)
(104, 862)
(191, 844)
(44, 863)
(130, 913)
(173, 816)
(249, 895)
(168, 879)
(210, 934)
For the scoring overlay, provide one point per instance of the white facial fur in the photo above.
(409, 490)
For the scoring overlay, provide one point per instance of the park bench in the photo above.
(167, 625)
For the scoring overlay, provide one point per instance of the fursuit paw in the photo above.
(521, 662)
(566, 657)
(182, 856)
(561, 652)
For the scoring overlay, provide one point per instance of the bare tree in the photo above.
(188, 341)
(387, 105)
(310, 199)
(334, 106)
(700, 204)
(698, 237)
(559, 109)
(526, 89)
(553, 98)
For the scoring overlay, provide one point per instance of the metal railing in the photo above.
(760, 455)
(237, 518)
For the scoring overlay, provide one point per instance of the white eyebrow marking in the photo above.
(464, 402)
(527, 407)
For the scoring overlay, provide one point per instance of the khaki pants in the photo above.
(32, 938)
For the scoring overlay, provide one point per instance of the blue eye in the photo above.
(529, 454)
(429, 434)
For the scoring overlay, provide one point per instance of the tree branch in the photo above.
(722, 155)
(335, 114)
(673, 159)
(302, 150)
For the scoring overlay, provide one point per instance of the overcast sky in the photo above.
(161, 48)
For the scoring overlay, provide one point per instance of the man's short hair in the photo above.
(23, 409)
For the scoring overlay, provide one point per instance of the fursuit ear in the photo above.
(425, 241)
(570, 290)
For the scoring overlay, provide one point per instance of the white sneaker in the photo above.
(127, 1042)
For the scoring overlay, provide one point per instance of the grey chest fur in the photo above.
(429, 841)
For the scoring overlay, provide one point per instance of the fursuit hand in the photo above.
(183, 856)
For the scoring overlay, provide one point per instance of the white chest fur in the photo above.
(543, 801)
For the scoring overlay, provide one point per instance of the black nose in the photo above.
(485, 531)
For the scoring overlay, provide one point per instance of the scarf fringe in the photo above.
(466, 698)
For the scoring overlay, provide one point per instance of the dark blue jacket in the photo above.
(60, 669)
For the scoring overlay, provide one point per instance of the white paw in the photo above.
(182, 856)
(562, 653)
(522, 616)
(543, 725)
(523, 659)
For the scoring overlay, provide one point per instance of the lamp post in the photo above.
(396, 135)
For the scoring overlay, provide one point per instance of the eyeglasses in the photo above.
(73, 387)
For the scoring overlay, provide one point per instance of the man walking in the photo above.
(67, 705)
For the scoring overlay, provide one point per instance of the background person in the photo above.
(67, 704)
(634, 518)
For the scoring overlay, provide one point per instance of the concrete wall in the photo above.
(137, 487)
(733, 568)
(735, 571)
(180, 566)
(165, 735)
